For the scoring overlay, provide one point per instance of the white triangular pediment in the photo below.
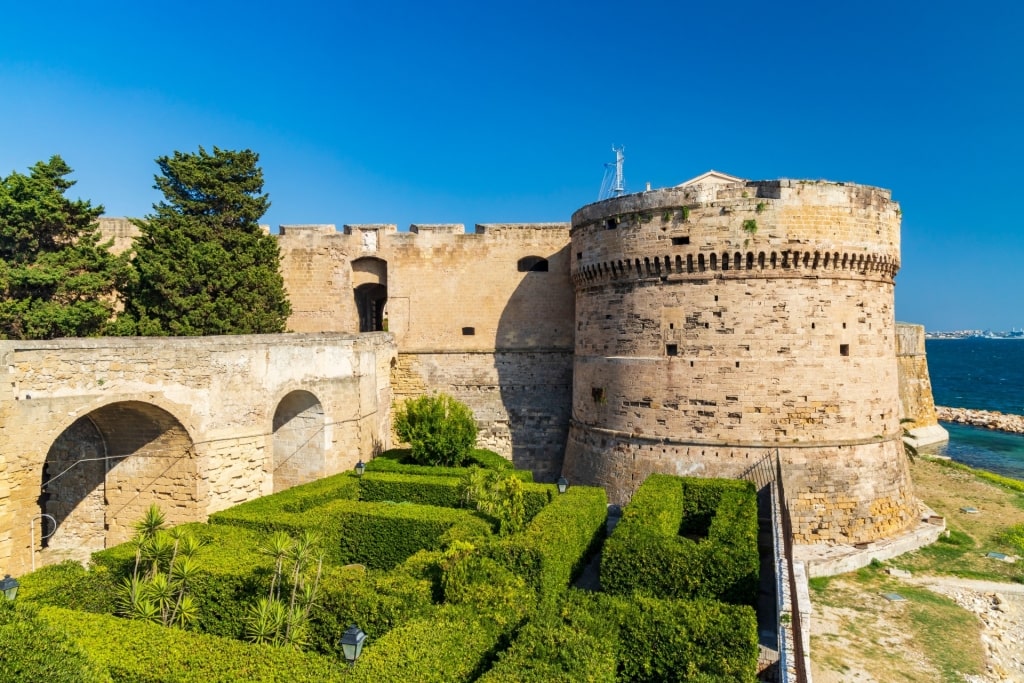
(712, 177)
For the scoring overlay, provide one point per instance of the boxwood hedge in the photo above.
(647, 553)
(378, 535)
(555, 545)
(31, 649)
(440, 491)
(397, 460)
(141, 652)
(453, 644)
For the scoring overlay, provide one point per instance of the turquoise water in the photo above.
(984, 374)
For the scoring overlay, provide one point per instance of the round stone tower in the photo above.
(724, 320)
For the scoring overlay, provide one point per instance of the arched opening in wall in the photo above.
(103, 472)
(299, 441)
(532, 264)
(370, 284)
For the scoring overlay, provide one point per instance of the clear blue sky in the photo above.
(432, 112)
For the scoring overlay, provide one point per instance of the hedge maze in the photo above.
(440, 595)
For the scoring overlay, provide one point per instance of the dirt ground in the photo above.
(947, 628)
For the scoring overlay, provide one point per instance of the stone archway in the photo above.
(370, 286)
(299, 441)
(107, 468)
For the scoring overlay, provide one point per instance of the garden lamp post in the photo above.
(360, 468)
(562, 484)
(352, 643)
(9, 587)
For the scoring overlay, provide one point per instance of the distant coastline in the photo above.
(976, 334)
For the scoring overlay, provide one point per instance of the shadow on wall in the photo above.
(533, 359)
(103, 471)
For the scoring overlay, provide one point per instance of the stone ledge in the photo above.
(829, 559)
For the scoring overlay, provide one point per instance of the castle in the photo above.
(690, 330)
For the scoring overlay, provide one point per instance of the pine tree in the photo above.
(203, 264)
(56, 279)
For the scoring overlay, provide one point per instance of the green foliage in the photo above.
(572, 643)
(750, 226)
(56, 278)
(496, 495)
(1005, 482)
(761, 206)
(377, 602)
(70, 585)
(1014, 537)
(553, 549)
(280, 619)
(647, 553)
(34, 650)
(454, 643)
(165, 568)
(140, 652)
(400, 460)
(204, 265)
(439, 429)
(378, 535)
(663, 641)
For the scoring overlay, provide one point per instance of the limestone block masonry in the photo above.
(92, 431)
(715, 325)
(920, 418)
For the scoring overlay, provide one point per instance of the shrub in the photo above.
(454, 643)
(684, 641)
(140, 652)
(647, 553)
(439, 429)
(34, 650)
(496, 495)
(399, 460)
(553, 549)
(378, 535)
(377, 602)
(568, 644)
(70, 585)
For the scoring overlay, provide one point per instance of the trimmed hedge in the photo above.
(378, 535)
(31, 649)
(232, 574)
(377, 602)
(568, 644)
(553, 549)
(71, 585)
(397, 460)
(663, 641)
(440, 491)
(646, 554)
(452, 645)
(140, 652)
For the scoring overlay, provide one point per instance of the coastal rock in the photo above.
(987, 419)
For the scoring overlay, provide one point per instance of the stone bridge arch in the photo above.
(299, 440)
(107, 467)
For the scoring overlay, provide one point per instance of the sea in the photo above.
(983, 374)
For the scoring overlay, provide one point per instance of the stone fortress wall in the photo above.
(485, 316)
(717, 324)
(92, 431)
(921, 420)
(660, 331)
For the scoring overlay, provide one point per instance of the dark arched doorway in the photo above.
(369, 282)
(299, 440)
(104, 471)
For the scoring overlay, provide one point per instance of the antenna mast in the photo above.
(614, 182)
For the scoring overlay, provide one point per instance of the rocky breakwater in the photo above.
(989, 419)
